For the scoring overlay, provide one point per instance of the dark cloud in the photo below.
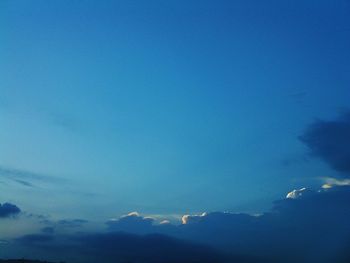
(310, 227)
(35, 239)
(330, 141)
(8, 210)
(48, 230)
(306, 226)
(120, 247)
(149, 248)
(72, 222)
(314, 224)
(324, 207)
(21, 261)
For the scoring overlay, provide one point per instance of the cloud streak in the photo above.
(27, 178)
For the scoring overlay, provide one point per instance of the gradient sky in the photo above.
(165, 107)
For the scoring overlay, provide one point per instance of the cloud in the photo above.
(188, 219)
(132, 223)
(36, 180)
(42, 219)
(298, 193)
(8, 210)
(35, 239)
(331, 182)
(24, 183)
(149, 248)
(330, 141)
(65, 121)
(48, 230)
(72, 222)
(306, 226)
(26, 178)
(119, 247)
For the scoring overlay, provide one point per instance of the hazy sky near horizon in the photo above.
(165, 107)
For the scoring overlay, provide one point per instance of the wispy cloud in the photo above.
(298, 97)
(24, 183)
(72, 222)
(65, 121)
(29, 179)
(26, 178)
(331, 182)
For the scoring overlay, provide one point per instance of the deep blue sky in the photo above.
(165, 107)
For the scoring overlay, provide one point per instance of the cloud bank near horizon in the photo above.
(305, 226)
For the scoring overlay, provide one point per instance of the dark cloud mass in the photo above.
(307, 226)
(119, 247)
(35, 239)
(8, 210)
(148, 248)
(330, 141)
(48, 230)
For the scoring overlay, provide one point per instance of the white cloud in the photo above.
(331, 182)
(186, 219)
(132, 214)
(297, 193)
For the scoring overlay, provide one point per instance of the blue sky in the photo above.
(167, 107)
